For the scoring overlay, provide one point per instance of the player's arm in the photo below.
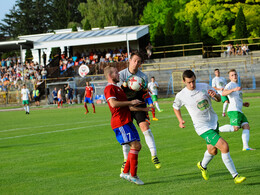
(229, 91)
(115, 104)
(179, 117)
(133, 108)
(214, 95)
(91, 97)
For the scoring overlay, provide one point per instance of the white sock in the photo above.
(149, 139)
(229, 164)
(226, 128)
(206, 159)
(245, 138)
(224, 107)
(27, 108)
(126, 149)
(157, 106)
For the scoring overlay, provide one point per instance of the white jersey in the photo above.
(219, 82)
(235, 98)
(198, 104)
(25, 94)
(153, 87)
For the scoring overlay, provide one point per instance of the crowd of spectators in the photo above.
(237, 50)
(12, 75)
(93, 57)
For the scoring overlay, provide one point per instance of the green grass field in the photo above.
(64, 151)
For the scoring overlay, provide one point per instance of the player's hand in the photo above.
(237, 89)
(136, 102)
(221, 89)
(212, 93)
(147, 109)
(181, 124)
(124, 84)
(246, 104)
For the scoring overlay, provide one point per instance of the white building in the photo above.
(80, 41)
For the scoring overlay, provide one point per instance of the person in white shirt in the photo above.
(218, 83)
(235, 114)
(25, 98)
(197, 100)
(153, 86)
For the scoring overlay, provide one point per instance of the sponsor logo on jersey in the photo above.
(203, 105)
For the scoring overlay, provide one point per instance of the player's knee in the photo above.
(213, 151)
(236, 128)
(138, 146)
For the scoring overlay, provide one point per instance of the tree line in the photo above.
(171, 21)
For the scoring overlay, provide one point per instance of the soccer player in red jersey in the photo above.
(88, 97)
(122, 124)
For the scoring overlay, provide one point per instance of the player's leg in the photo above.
(149, 139)
(27, 108)
(93, 105)
(208, 156)
(85, 105)
(245, 136)
(225, 101)
(155, 102)
(222, 145)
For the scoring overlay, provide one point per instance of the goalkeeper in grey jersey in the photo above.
(140, 117)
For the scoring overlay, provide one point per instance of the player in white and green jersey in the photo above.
(218, 83)
(25, 98)
(153, 86)
(235, 114)
(197, 100)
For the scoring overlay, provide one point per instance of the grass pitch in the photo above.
(64, 151)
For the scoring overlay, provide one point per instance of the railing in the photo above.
(183, 48)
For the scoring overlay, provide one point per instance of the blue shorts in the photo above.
(88, 100)
(126, 134)
(59, 100)
(149, 101)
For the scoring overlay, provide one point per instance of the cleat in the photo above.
(155, 119)
(161, 110)
(123, 166)
(239, 179)
(247, 149)
(87, 112)
(156, 162)
(204, 171)
(135, 180)
(124, 176)
(58, 107)
(223, 114)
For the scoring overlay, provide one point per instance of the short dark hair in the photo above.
(136, 53)
(188, 74)
(152, 77)
(216, 69)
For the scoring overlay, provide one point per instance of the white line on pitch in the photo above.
(52, 132)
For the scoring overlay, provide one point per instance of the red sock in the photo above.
(153, 112)
(86, 107)
(61, 103)
(133, 157)
(127, 165)
(93, 106)
(58, 104)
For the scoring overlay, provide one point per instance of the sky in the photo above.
(6, 5)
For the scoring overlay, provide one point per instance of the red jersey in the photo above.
(120, 115)
(88, 91)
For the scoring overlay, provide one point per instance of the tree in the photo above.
(22, 20)
(241, 27)
(181, 33)
(137, 7)
(169, 28)
(159, 36)
(86, 24)
(195, 33)
(110, 13)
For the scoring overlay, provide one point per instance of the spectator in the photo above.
(44, 73)
(149, 48)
